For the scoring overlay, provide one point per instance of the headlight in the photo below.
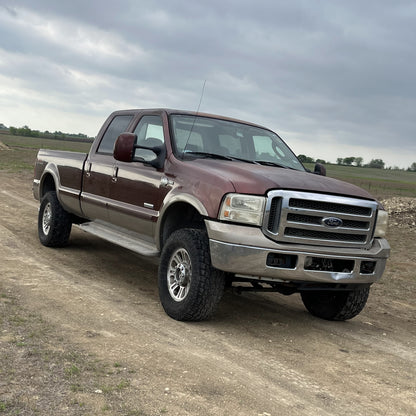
(247, 209)
(381, 224)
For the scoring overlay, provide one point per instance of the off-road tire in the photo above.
(335, 305)
(189, 287)
(54, 223)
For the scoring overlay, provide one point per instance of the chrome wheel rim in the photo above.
(179, 275)
(47, 219)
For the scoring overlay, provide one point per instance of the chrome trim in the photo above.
(249, 261)
(243, 250)
(286, 223)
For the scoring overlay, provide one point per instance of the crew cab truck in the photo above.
(221, 202)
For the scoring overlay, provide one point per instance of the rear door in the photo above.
(100, 168)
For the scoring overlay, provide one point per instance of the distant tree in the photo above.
(358, 161)
(376, 163)
(340, 161)
(349, 160)
(321, 161)
(24, 131)
(306, 159)
(412, 167)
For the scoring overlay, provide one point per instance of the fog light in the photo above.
(284, 261)
(367, 267)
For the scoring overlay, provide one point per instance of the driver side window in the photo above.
(149, 133)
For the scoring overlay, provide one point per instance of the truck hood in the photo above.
(258, 179)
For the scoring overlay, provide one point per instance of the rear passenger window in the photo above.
(117, 126)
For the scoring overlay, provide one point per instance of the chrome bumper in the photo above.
(244, 251)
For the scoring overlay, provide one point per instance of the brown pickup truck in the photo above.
(223, 203)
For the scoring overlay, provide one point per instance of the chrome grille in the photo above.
(309, 218)
(329, 206)
(318, 220)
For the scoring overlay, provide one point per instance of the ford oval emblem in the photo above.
(332, 222)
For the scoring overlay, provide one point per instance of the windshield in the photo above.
(197, 136)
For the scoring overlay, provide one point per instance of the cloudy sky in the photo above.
(335, 78)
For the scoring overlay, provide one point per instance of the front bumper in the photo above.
(246, 252)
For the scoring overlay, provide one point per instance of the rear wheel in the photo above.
(189, 287)
(54, 223)
(335, 305)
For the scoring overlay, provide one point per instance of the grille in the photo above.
(329, 207)
(322, 235)
(308, 218)
(275, 208)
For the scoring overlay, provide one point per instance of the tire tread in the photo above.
(208, 287)
(61, 223)
(336, 305)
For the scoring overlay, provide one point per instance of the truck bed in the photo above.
(66, 169)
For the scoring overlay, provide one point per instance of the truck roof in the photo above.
(170, 111)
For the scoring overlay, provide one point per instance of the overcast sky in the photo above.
(333, 78)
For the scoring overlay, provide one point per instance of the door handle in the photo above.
(115, 173)
(88, 170)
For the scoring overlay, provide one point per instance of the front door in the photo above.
(138, 190)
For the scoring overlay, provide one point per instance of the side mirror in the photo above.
(124, 147)
(320, 170)
(160, 151)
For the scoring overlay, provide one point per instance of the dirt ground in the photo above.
(83, 333)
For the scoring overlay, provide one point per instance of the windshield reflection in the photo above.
(199, 136)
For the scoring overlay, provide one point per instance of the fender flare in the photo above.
(50, 169)
(174, 199)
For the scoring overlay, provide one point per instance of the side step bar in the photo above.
(118, 237)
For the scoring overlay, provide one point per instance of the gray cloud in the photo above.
(330, 74)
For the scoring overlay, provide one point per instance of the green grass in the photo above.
(35, 143)
(382, 183)
(21, 153)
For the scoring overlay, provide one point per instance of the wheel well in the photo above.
(179, 215)
(48, 184)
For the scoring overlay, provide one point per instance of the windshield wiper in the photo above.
(206, 154)
(218, 156)
(277, 165)
(244, 160)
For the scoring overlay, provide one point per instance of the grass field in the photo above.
(382, 183)
(19, 154)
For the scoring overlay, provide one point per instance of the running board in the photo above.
(116, 236)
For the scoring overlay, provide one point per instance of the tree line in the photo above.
(355, 161)
(57, 135)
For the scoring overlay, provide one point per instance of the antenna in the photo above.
(193, 123)
(202, 94)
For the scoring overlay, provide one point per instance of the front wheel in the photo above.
(54, 223)
(189, 287)
(335, 305)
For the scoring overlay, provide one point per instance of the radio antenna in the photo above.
(193, 123)
(202, 94)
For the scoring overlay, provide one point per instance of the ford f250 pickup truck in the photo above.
(222, 203)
